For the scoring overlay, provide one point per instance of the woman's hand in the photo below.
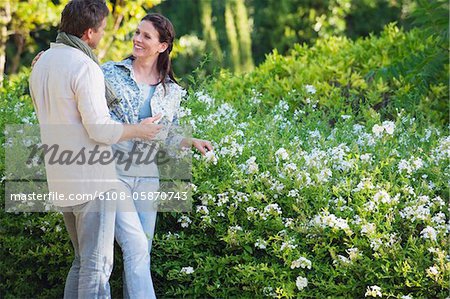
(36, 58)
(202, 146)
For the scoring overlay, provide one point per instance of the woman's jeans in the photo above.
(91, 229)
(135, 227)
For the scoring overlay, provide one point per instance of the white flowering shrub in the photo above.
(308, 199)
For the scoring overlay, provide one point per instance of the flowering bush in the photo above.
(309, 193)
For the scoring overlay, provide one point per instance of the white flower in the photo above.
(365, 183)
(375, 244)
(353, 253)
(310, 89)
(314, 134)
(235, 228)
(185, 221)
(346, 116)
(301, 262)
(288, 222)
(438, 218)
(382, 196)
(288, 244)
(373, 291)
(406, 297)
(187, 270)
(261, 244)
(368, 229)
(301, 282)
(324, 175)
(192, 186)
(293, 193)
(268, 291)
(282, 153)
(377, 130)
(252, 167)
(404, 165)
(204, 98)
(273, 208)
(366, 157)
(433, 271)
(332, 221)
(202, 210)
(389, 126)
(290, 167)
(429, 233)
(250, 210)
(370, 206)
(183, 112)
(222, 199)
(210, 157)
(343, 259)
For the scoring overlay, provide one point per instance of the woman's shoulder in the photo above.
(173, 85)
(108, 65)
(115, 66)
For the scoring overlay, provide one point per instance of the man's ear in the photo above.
(87, 34)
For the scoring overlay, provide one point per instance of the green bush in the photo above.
(331, 181)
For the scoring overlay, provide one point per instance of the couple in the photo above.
(70, 90)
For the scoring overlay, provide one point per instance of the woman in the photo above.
(147, 88)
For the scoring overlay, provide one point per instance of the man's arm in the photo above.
(142, 131)
(89, 91)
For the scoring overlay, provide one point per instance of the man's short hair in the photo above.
(80, 15)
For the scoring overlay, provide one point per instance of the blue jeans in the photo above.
(91, 229)
(135, 227)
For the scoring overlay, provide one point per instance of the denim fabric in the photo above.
(134, 233)
(132, 95)
(91, 230)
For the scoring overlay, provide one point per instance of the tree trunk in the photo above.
(243, 29)
(5, 18)
(19, 41)
(232, 37)
(209, 32)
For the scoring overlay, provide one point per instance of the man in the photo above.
(70, 98)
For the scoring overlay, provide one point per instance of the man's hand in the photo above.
(141, 130)
(152, 120)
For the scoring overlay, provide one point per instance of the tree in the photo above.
(18, 19)
(209, 32)
(5, 19)
(232, 37)
(238, 33)
(243, 29)
(123, 21)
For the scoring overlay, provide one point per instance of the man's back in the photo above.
(68, 93)
(55, 80)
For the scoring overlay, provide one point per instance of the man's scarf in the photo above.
(77, 43)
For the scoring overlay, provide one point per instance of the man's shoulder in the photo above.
(71, 56)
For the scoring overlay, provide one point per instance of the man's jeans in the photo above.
(91, 229)
(135, 227)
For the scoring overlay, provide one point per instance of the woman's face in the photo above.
(146, 41)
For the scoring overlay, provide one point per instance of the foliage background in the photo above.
(237, 33)
(303, 171)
